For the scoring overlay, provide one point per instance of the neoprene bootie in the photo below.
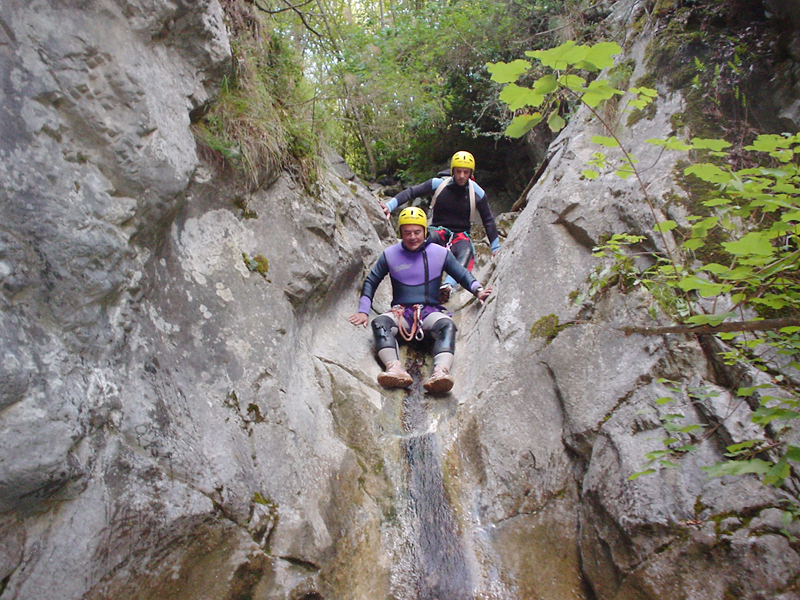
(440, 380)
(395, 376)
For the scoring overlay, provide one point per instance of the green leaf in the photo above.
(709, 144)
(717, 202)
(522, 124)
(671, 143)
(768, 143)
(519, 97)
(738, 467)
(692, 427)
(704, 287)
(664, 226)
(608, 142)
(546, 84)
(693, 244)
(555, 122)
(755, 242)
(715, 268)
(644, 91)
(508, 72)
(560, 57)
(736, 449)
(640, 473)
(600, 54)
(712, 320)
(590, 174)
(764, 415)
(572, 82)
(708, 172)
(597, 91)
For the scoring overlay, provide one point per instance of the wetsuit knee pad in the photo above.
(382, 330)
(444, 335)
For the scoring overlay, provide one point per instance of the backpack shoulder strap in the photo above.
(471, 201)
(445, 182)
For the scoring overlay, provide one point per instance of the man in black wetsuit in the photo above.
(456, 201)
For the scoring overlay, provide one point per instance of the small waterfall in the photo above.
(441, 569)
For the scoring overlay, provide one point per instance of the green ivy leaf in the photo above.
(590, 174)
(572, 82)
(638, 474)
(717, 202)
(769, 143)
(597, 91)
(738, 467)
(693, 243)
(671, 143)
(708, 172)
(508, 72)
(712, 320)
(560, 57)
(519, 97)
(522, 124)
(753, 243)
(600, 55)
(555, 122)
(665, 226)
(644, 91)
(608, 142)
(546, 84)
(710, 144)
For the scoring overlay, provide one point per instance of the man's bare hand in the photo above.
(484, 293)
(359, 319)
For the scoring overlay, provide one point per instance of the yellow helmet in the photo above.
(413, 215)
(462, 159)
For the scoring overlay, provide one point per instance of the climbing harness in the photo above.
(451, 237)
(416, 332)
(444, 184)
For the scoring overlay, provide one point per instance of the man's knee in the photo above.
(382, 330)
(444, 336)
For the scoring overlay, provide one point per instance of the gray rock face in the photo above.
(186, 413)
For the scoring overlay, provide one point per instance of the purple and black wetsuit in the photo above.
(416, 276)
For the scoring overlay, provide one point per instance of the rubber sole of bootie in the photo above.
(389, 380)
(439, 385)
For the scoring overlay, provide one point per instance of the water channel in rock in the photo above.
(442, 570)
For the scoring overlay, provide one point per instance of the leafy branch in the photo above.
(755, 211)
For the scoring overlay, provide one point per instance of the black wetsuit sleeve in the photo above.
(415, 191)
(376, 275)
(487, 217)
(459, 273)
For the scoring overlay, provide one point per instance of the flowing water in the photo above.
(442, 571)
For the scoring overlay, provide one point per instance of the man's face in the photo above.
(462, 175)
(413, 236)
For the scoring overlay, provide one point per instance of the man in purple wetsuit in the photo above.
(415, 266)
